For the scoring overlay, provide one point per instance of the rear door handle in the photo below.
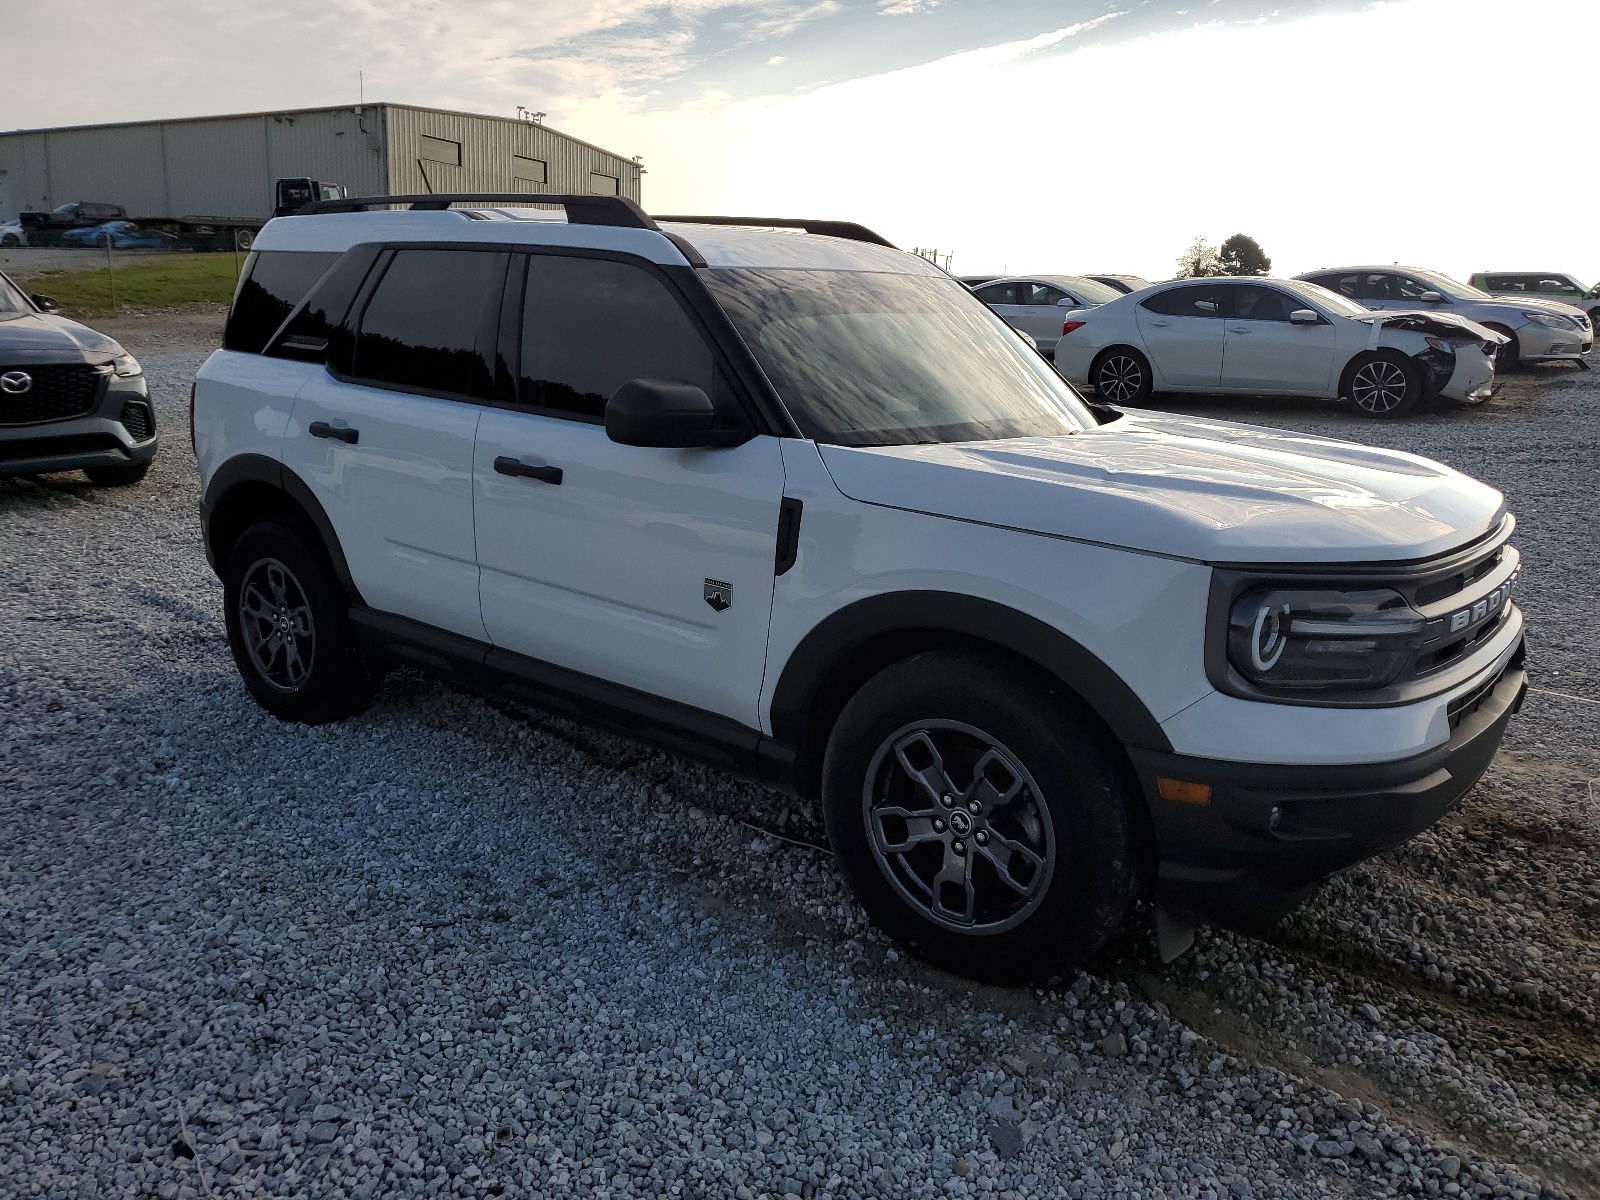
(339, 433)
(540, 471)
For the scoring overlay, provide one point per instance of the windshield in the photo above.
(1091, 290)
(1329, 299)
(1450, 287)
(12, 301)
(868, 359)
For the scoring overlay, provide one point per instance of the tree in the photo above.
(1199, 261)
(1243, 255)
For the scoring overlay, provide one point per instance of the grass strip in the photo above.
(162, 283)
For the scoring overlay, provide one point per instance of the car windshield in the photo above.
(1089, 289)
(868, 359)
(1329, 299)
(12, 301)
(1451, 287)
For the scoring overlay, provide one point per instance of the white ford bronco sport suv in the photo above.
(781, 497)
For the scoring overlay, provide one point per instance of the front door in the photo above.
(1042, 314)
(1263, 351)
(1182, 329)
(650, 568)
(388, 449)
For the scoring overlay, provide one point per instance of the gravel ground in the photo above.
(451, 948)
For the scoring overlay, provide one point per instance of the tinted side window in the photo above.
(999, 293)
(590, 325)
(430, 322)
(1199, 300)
(1406, 288)
(1041, 293)
(321, 316)
(1261, 304)
(274, 281)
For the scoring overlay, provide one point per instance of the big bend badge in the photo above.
(719, 594)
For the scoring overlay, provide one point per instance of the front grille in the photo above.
(20, 449)
(56, 392)
(138, 420)
(1437, 589)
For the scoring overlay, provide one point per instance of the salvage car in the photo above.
(119, 235)
(1536, 329)
(788, 500)
(71, 399)
(1035, 304)
(1274, 337)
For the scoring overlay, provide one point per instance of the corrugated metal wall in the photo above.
(488, 147)
(226, 166)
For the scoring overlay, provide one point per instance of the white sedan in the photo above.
(1273, 337)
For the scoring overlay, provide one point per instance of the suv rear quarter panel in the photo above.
(1141, 615)
(242, 405)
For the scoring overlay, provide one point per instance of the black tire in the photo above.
(1070, 809)
(10, 239)
(1121, 375)
(118, 476)
(245, 239)
(1508, 356)
(1383, 384)
(288, 628)
(1594, 319)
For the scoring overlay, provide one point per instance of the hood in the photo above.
(48, 332)
(1443, 324)
(1188, 488)
(1536, 304)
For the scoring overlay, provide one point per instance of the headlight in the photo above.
(1323, 639)
(125, 366)
(1550, 320)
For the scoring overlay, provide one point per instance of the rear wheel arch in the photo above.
(848, 648)
(251, 488)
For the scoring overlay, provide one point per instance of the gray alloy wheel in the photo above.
(279, 631)
(1120, 378)
(958, 827)
(1379, 387)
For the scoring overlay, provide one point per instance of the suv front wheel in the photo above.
(288, 630)
(980, 818)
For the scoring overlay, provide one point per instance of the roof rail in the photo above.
(839, 229)
(581, 210)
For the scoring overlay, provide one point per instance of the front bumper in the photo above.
(118, 431)
(1535, 343)
(1271, 834)
(1472, 380)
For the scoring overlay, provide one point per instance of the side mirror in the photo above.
(1066, 302)
(662, 412)
(45, 304)
(1304, 316)
(1432, 297)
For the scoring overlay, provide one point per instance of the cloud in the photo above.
(903, 8)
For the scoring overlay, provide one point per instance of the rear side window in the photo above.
(589, 325)
(1000, 293)
(1200, 300)
(430, 325)
(320, 318)
(274, 281)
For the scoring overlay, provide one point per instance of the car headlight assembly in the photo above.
(125, 366)
(1550, 320)
(1312, 640)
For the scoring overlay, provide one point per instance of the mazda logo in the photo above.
(16, 383)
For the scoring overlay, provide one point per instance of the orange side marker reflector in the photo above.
(1183, 791)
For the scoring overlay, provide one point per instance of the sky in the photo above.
(1020, 135)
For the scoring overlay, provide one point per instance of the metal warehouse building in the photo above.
(226, 166)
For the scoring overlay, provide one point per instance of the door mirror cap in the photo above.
(1304, 316)
(1066, 302)
(664, 413)
(1432, 297)
(45, 304)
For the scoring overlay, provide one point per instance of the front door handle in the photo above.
(1238, 329)
(506, 465)
(1161, 324)
(339, 433)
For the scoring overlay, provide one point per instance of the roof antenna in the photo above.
(361, 91)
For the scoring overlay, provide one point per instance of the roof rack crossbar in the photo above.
(839, 229)
(581, 210)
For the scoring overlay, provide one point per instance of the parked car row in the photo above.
(1316, 335)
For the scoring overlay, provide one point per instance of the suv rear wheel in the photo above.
(288, 630)
(979, 817)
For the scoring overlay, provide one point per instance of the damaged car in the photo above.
(1275, 337)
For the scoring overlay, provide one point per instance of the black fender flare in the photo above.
(258, 468)
(830, 645)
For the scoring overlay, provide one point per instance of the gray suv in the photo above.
(1540, 329)
(70, 398)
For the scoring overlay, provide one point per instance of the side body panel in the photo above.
(1278, 357)
(1141, 615)
(1185, 352)
(242, 405)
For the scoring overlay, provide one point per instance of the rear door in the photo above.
(1183, 333)
(1263, 351)
(646, 567)
(385, 436)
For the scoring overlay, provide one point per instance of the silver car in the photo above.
(1540, 329)
(1039, 305)
(1548, 285)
